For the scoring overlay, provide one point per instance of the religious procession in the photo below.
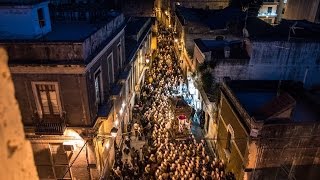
(162, 121)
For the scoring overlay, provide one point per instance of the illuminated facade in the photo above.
(69, 91)
(271, 11)
(138, 55)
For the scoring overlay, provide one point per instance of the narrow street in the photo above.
(163, 144)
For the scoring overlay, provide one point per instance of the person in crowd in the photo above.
(162, 156)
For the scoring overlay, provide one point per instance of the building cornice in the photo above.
(58, 69)
(97, 57)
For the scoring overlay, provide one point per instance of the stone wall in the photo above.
(15, 151)
(26, 52)
(294, 147)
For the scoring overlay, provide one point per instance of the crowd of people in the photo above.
(164, 157)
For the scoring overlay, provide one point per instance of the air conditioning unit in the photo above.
(254, 133)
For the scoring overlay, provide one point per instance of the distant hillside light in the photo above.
(147, 60)
(176, 40)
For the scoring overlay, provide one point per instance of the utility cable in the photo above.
(74, 159)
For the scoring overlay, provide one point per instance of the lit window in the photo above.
(47, 98)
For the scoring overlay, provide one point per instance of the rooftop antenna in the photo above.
(291, 29)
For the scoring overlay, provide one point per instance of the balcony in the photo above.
(267, 14)
(50, 126)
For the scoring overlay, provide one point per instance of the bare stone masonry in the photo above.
(15, 151)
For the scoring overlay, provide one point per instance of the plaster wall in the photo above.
(23, 22)
(273, 61)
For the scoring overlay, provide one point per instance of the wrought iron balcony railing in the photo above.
(51, 126)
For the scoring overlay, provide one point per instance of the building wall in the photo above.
(265, 15)
(72, 86)
(280, 151)
(53, 52)
(15, 151)
(273, 61)
(101, 62)
(288, 61)
(204, 4)
(236, 158)
(62, 51)
(72, 95)
(233, 68)
(303, 9)
(138, 8)
(92, 45)
(296, 146)
(52, 158)
(23, 22)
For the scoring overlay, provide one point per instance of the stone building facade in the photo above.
(138, 54)
(262, 133)
(68, 88)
